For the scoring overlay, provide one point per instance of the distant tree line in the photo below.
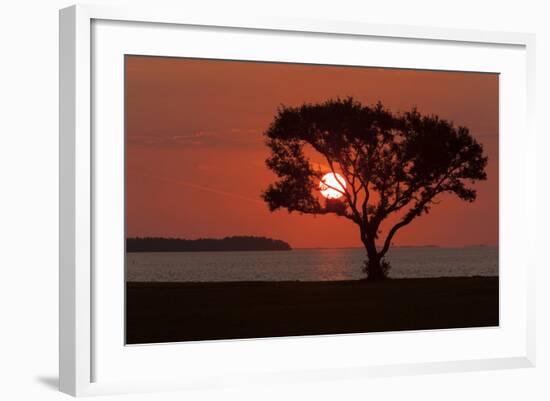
(237, 243)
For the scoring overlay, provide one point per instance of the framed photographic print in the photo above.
(271, 199)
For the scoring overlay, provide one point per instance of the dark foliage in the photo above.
(240, 243)
(405, 159)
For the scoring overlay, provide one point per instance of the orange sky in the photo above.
(195, 151)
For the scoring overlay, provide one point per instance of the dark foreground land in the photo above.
(167, 312)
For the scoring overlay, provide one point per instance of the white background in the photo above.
(29, 198)
(113, 362)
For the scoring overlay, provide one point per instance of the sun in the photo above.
(332, 185)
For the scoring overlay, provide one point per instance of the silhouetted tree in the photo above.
(390, 163)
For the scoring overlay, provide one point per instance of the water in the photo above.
(307, 264)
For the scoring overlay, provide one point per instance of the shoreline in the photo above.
(192, 311)
(244, 282)
(322, 248)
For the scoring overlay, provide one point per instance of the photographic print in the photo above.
(279, 199)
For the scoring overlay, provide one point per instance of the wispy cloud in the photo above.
(234, 137)
(206, 188)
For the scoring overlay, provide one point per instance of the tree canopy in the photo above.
(390, 163)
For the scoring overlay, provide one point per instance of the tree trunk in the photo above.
(374, 269)
(373, 265)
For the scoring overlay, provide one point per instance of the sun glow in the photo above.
(332, 185)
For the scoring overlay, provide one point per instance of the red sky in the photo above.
(195, 151)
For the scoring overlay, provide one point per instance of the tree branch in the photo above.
(417, 210)
(346, 194)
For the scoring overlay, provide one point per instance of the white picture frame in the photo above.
(80, 349)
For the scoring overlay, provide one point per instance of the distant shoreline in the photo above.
(360, 247)
(406, 246)
(227, 244)
(132, 250)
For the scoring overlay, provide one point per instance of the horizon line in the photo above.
(318, 247)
